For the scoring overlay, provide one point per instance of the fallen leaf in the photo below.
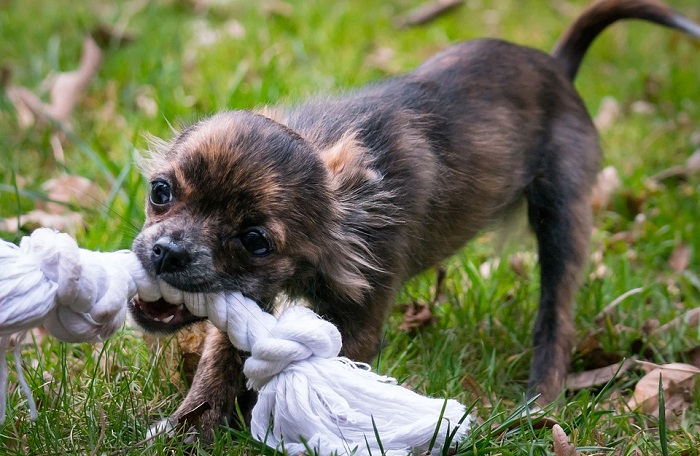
(69, 222)
(680, 258)
(382, 58)
(693, 356)
(417, 316)
(70, 189)
(67, 89)
(427, 12)
(56, 212)
(190, 341)
(675, 377)
(598, 377)
(276, 8)
(607, 114)
(26, 104)
(522, 263)
(606, 183)
(590, 354)
(476, 393)
(642, 107)
(562, 444)
(534, 419)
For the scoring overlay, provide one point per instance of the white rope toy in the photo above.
(307, 394)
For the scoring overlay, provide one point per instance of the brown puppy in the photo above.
(336, 202)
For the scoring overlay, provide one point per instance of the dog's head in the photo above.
(239, 202)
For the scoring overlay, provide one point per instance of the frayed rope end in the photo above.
(5, 342)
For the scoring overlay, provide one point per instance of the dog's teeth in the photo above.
(168, 319)
(157, 319)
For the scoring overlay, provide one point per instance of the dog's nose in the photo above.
(169, 256)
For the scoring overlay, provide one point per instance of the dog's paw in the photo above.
(165, 427)
(171, 428)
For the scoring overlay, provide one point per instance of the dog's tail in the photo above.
(574, 43)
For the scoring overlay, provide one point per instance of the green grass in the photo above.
(101, 399)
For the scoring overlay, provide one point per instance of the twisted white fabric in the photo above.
(308, 396)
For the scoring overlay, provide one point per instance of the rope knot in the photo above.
(274, 343)
(298, 335)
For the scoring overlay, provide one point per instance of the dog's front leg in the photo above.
(218, 385)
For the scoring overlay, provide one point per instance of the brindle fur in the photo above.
(361, 192)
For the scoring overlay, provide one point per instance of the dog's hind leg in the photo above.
(560, 215)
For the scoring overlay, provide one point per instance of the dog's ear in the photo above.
(359, 206)
(348, 163)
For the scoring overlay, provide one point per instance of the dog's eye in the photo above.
(160, 193)
(255, 242)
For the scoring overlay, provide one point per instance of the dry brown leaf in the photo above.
(680, 258)
(535, 419)
(643, 107)
(562, 444)
(693, 356)
(276, 8)
(69, 87)
(383, 58)
(676, 378)
(475, 391)
(608, 113)
(597, 377)
(417, 316)
(66, 91)
(26, 105)
(70, 189)
(591, 354)
(61, 191)
(190, 341)
(69, 222)
(606, 183)
(523, 263)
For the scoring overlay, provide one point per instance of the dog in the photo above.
(335, 203)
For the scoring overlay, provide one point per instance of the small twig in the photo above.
(427, 12)
(103, 426)
(690, 318)
(607, 310)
